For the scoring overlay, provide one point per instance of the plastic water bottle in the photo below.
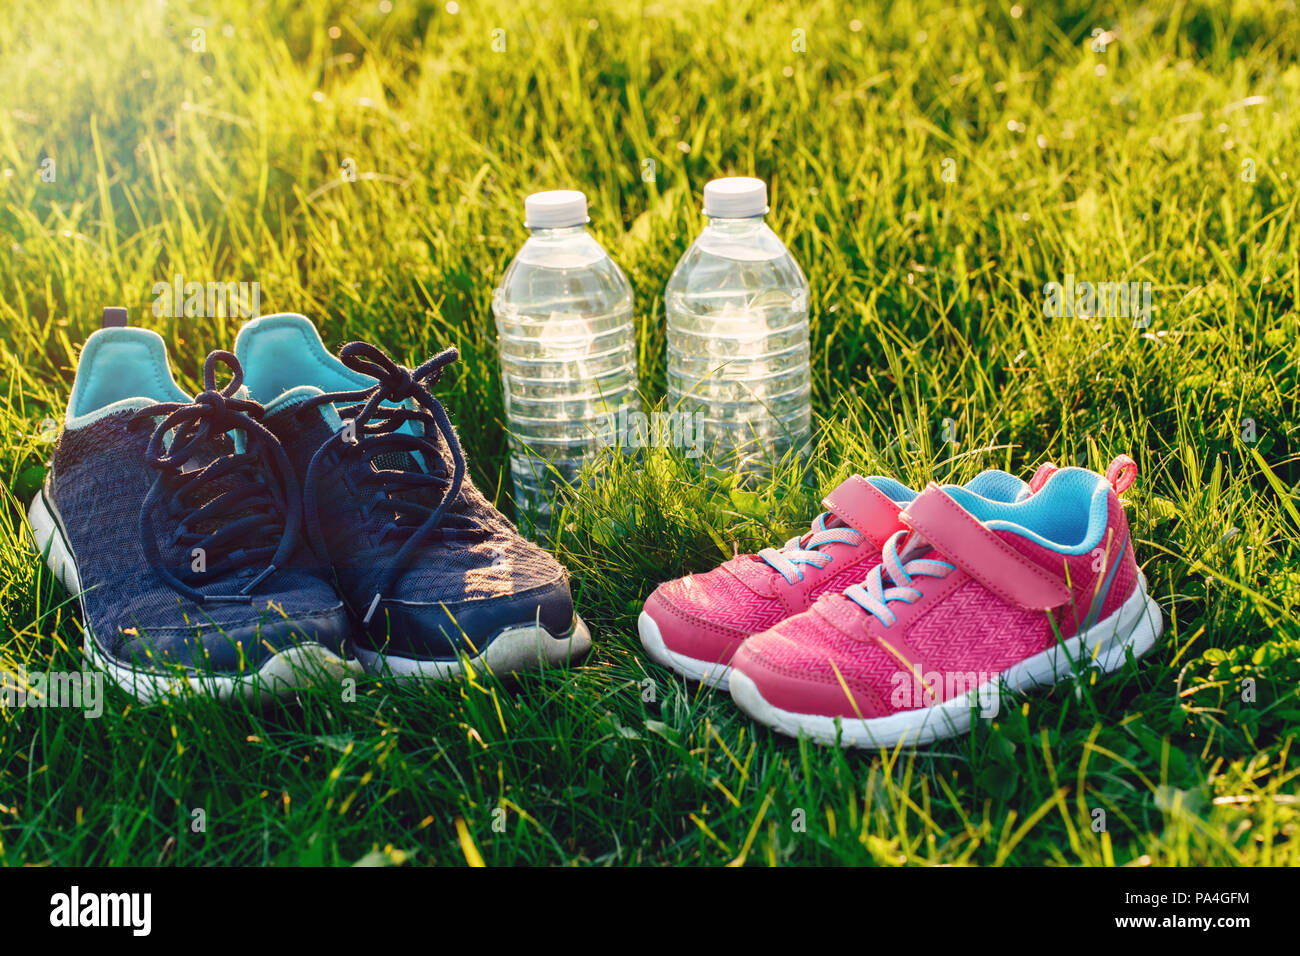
(568, 349)
(738, 331)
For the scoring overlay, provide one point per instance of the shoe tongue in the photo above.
(832, 521)
(400, 459)
(204, 455)
(914, 546)
(208, 451)
(397, 461)
(390, 461)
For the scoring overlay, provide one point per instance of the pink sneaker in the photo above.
(693, 625)
(973, 596)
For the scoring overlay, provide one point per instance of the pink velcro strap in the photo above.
(864, 507)
(968, 544)
(1122, 473)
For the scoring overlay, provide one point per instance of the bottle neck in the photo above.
(557, 232)
(735, 225)
(749, 240)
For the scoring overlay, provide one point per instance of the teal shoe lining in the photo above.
(282, 352)
(285, 362)
(1068, 514)
(121, 368)
(998, 485)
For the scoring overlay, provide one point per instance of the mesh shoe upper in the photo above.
(100, 476)
(707, 616)
(838, 659)
(472, 577)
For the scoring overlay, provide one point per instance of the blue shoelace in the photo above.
(379, 443)
(252, 515)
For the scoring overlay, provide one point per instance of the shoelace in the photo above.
(872, 595)
(804, 549)
(257, 520)
(376, 430)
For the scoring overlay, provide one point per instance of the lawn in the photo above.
(932, 168)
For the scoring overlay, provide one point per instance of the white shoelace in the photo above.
(872, 595)
(803, 549)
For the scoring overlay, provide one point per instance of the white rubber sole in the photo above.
(1134, 627)
(281, 675)
(515, 649)
(709, 673)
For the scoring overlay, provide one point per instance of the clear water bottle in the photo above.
(568, 349)
(738, 349)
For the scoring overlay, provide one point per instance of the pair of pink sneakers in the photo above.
(899, 615)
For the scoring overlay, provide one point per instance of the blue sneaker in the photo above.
(176, 522)
(435, 577)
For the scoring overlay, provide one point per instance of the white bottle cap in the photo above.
(736, 197)
(555, 209)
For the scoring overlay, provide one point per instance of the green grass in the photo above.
(927, 294)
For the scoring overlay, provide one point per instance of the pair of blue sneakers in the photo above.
(312, 515)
